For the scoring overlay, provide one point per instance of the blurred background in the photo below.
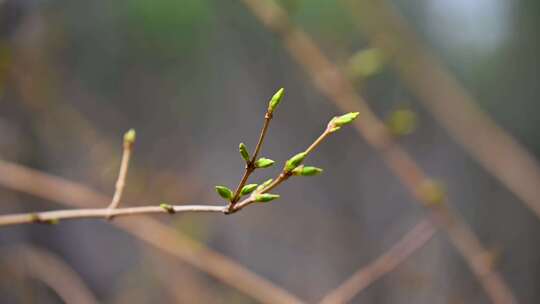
(193, 78)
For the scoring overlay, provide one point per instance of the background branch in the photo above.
(52, 271)
(415, 239)
(334, 85)
(449, 102)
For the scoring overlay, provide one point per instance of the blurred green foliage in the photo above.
(167, 26)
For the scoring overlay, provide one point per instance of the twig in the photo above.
(52, 217)
(152, 232)
(129, 141)
(449, 102)
(390, 260)
(250, 165)
(332, 83)
(171, 274)
(51, 270)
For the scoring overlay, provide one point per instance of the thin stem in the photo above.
(267, 118)
(249, 169)
(52, 271)
(121, 181)
(58, 215)
(250, 166)
(390, 260)
(318, 141)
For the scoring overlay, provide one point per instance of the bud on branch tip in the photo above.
(275, 100)
(129, 136)
(337, 122)
(265, 197)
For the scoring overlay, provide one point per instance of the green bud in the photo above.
(167, 207)
(307, 171)
(129, 137)
(224, 192)
(432, 191)
(402, 122)
(244, 152)
(337, 122)
(276, 99)
(366, 62)
(265, 184)
(265, 197)
(295, 161)
(263, 162)
(247, 189)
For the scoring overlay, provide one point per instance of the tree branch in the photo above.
(52, 217)
(148, 230)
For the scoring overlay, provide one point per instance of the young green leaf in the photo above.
(247, 189)
(265, 197)
(295, 161)
(224, 192)
(263, 162)
(307, 171)
(244, 152)
(337, 122)
(276, 99)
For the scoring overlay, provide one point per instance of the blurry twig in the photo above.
(449, 102)
(65, 192)
(365, 276)
(332, 83)
(51, 270)
(195, 288)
